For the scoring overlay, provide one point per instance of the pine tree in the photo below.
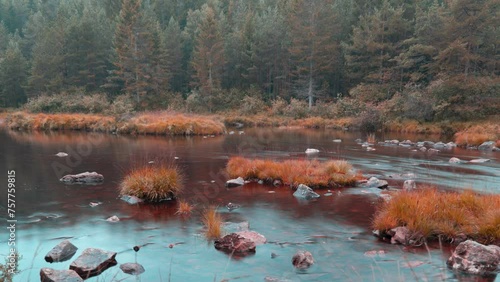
(313, 50)
(208, 55)
(173, 44)
(13, 74)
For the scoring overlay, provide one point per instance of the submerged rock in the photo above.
(62, 154)
(52, 275)
(479, 161)
(302, 259)
(83, 178)
(402, 235)
(454, 160)
(133, 200)
(305, 192)
(374, 182)
(312, 151)
(253, 236)
(475, 258)
(113, 218)
(409, 185)
(93, 262)
(235, 182)
(62, 252)
(132, 268)
(234, 243)
(231, 206)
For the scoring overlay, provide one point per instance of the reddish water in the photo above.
(335, 229)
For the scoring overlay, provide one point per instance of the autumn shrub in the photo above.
(77, 102)
(252, 105)
(465, 98)
(213, 223)
(370, 120)
(121, 105)
(294, 172)
(278, 106)
(297, 109)
(348, 107)
(432, 213)
(152, 183)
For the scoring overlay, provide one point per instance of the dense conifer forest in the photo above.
(426, 60)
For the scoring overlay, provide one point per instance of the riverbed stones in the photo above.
(305, 192)
(83, 178)
(234, 243)
(132, 268)
(487, 146)
(302, 259)
(62, 252)
(475, 258)
(93, 262)
(235, 182)
(52, 275)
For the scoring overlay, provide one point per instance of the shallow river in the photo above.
(335, 229)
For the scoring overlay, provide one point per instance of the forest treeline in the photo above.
(425, 60)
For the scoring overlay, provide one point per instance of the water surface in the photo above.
(335, 229)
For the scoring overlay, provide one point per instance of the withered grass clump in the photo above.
(477, 134)
(166, 123)
(152, 184)
(151, 123)
(184, 208)
(294, 172)
(432, 213)
(45, 122)
(213, 223)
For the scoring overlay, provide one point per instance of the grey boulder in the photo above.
(475, 258)
(305, 192)
(132, 268)
(52, 275)
(83, 178)
(93, 262)
(62, 252)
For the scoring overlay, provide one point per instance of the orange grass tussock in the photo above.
(166, 123)
(83, 122)
(157, 123)
(432, 213)
(477, 134)
(294, 172)
(184, 208)
(213, 223)
(152, 183)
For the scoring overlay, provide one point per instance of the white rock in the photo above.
(312, 151)
(454, 160)
(114, 218)
(62, 154)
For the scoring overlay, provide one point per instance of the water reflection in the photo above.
(335, 228)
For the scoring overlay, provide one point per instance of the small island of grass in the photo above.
(449, 215)
(312, 173)
(152, 184)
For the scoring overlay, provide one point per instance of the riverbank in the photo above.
(465, 134)
(149, 123)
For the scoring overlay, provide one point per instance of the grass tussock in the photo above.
(184, 208)
(475, 135)
(294, 172)
(46, 122)
(213, 223)
(158, 123)
(433, 213)
(166, 123)
(153, 184)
